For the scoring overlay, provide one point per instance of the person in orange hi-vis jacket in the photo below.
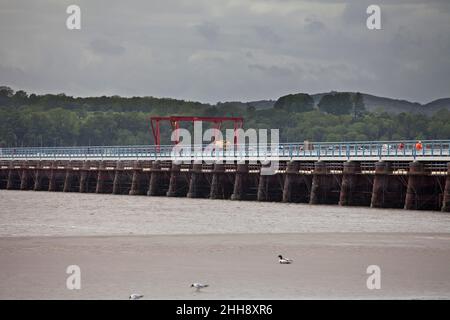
(419, 146)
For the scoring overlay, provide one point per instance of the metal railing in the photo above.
(431, 149)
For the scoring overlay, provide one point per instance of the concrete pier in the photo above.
(240, 182)
(290, 180)
(24, 180)
(122, 179)
(218, 188)
(198, 186)
(68, 181)
(11, 179)
(175, 183)
(325, 186)
(59, 177)
(116, 181)
(270, 186)
(356, 189)
(38, 180)
(153, 189)
(157, 185)
(135, 183)
(380, 185)
(263, 186)
(426, 190)
(83, 180)
(102, 180)
(413, 192)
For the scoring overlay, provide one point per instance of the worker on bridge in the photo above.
(419, 146)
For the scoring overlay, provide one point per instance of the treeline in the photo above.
(60, 120)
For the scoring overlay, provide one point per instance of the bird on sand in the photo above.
(199, 286)
(284, 260)
(135, 296)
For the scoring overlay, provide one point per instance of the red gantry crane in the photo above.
(175, 124)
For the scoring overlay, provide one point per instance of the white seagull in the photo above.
(199, 286)
(135, 296)
(284, 260)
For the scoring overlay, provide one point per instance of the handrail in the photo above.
(359, 149)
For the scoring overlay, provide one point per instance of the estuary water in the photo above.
(30, 213)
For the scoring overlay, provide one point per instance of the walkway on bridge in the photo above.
(432, 150)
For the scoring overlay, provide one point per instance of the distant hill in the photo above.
(437, 105)
(258, 105)
(373, 103)
(395, 106)
(262, 104)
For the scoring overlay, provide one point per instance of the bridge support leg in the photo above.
(380, 183)
(194, 182)
(173, 183)
(319, 183)
(68, 181)
(83, 181)
(116, 181)
(24, 180)
(240, 182)
(38, 180)
(263, 186)
(101, 178)
(217, 183)
(415, 174)
(3, 178)
(349, 183)
(155, 179)
(291, 175)
(52, 181)
(446, 200)
(10, 183)
(135, 183)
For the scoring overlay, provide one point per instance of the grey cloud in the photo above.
(12, 75)
(105, 47)
(273, 71)
(210, 31)
(355, 12)
(313, 26)
(227, 50)
(267, 34)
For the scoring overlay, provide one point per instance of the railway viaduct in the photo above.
(376, 174)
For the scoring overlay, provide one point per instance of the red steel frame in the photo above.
(175, 123)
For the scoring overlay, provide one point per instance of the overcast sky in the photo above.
(225, 50)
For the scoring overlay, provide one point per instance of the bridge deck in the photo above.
(432, 150)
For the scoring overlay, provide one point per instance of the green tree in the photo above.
(358, 105)
(300, 102)
(6, 92)
(336, 103)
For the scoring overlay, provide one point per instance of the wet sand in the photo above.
(241, 266)
(158, 246)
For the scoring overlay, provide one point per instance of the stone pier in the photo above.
(218, 188)
(415, 178)
(198, 186)
(325, 186)
(175, 183)
(356, 188)
(240, 182)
